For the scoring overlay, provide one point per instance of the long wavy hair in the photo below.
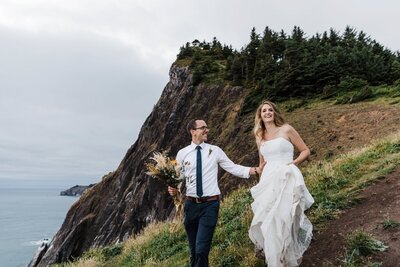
(259, 127)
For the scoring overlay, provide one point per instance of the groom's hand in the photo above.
(172, 191)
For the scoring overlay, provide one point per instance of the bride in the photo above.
(279, 226)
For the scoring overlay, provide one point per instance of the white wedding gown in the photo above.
(279, 226)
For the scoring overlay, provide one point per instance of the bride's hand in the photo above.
(260, 168)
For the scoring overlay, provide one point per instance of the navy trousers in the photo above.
(200, 221)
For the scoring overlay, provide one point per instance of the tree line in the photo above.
(277, 65)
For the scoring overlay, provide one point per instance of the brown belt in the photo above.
(202, 199)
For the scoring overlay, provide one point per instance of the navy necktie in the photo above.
(199, 178)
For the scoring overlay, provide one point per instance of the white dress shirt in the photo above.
(211, 157)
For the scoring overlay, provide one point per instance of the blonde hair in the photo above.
(259, 127)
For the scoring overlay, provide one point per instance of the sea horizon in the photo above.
(30, 211)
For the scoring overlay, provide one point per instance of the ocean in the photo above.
(29, 212)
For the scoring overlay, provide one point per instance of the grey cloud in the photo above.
(70, 106)
(78, 80)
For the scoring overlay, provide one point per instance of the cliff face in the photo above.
(127, 199)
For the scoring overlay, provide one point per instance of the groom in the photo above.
(199, 162)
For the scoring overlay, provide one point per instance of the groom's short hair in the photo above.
(191, 125)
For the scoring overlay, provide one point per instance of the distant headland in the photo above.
(76, 190)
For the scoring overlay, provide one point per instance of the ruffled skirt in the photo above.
(280, 227)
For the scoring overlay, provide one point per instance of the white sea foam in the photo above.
(37, 243)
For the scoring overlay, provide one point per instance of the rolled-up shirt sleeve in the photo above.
(232, 168)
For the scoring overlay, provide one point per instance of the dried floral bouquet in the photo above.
(168, 170)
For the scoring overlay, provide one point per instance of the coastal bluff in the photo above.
(325, 85)
(127, 199)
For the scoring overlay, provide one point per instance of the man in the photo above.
(199, 162)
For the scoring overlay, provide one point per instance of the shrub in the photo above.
(390, 224)
(112, 251)
(329, 91)
(350, 83)
(363, 94)
(363, 244)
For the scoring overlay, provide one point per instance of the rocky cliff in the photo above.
(125, 200)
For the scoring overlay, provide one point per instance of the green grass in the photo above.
(369, 93)
(390, 224)
(334, 184)
(231, 245)
(364, 244)
(359, 245)
(390, 94)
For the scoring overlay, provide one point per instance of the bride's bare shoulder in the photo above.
(286, 127)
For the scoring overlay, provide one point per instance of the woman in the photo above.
(279, 226)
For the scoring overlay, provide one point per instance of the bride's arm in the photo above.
(298, 142)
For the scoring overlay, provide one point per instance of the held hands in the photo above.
(257, 170)
(260, 168)
(172, 191)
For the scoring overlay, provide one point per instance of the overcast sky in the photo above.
(79, 77)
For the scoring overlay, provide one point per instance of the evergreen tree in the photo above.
(251, 54)
(278, 65)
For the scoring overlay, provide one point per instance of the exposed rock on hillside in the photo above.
(38, 255)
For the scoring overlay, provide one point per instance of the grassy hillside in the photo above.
(335, 180)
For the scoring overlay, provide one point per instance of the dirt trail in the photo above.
(379, 202)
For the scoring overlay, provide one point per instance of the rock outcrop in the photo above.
(76, 190)
(127, 199)
(39, 254)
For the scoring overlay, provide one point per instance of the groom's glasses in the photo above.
(202, 128)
